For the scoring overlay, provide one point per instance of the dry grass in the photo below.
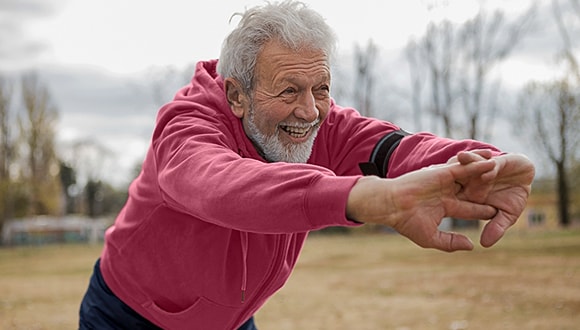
(529, 281)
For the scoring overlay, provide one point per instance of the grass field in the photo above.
(529, 281)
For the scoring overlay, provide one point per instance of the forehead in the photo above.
(276, 60)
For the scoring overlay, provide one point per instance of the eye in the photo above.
(323, 90)
(288, 91)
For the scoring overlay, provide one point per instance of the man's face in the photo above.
(291, 99)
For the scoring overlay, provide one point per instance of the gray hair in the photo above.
(290, 22)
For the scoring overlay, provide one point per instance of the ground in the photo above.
(530, 280)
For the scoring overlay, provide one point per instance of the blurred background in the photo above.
(81, 82)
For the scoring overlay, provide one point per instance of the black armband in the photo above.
(379, 160)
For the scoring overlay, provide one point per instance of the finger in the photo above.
(494, 230)
(466, 157)
(490, 175)
(449, 242)
(469, 211)
(491, 234)
(485, 153)
(482, 170)
(476, 168)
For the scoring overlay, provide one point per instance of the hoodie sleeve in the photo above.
(349, 139)
(424, 149)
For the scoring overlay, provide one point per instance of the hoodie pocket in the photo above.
(203, 314)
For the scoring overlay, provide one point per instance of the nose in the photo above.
(306, 109)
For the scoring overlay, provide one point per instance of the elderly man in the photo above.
(251, 156)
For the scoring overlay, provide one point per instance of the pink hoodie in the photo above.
(211, 230)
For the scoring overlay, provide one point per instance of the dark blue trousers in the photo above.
(102, 310)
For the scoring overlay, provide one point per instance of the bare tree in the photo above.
(432, 61)
(6, 152)
(91, 162)
(416, 71)
(566, 21)
(37, 130)
(451, 71)
(365, 63)
(550, 111)
(6, 144)
(486, 42)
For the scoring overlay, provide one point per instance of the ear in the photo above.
(237, 98)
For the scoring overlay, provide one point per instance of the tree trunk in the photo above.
(563, 196)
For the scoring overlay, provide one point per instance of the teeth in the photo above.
(296, 132)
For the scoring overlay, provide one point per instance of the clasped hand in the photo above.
(471, 186)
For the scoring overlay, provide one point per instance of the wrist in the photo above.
(369, 201)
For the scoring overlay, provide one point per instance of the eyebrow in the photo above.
(293, 78)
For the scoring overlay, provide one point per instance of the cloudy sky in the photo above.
(101, 59)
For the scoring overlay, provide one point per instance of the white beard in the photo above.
(272, 147)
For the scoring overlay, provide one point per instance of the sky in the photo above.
(126, 36)
(98, 57)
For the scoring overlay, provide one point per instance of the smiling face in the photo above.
(290, 100)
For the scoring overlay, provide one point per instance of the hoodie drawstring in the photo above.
(244, 243)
